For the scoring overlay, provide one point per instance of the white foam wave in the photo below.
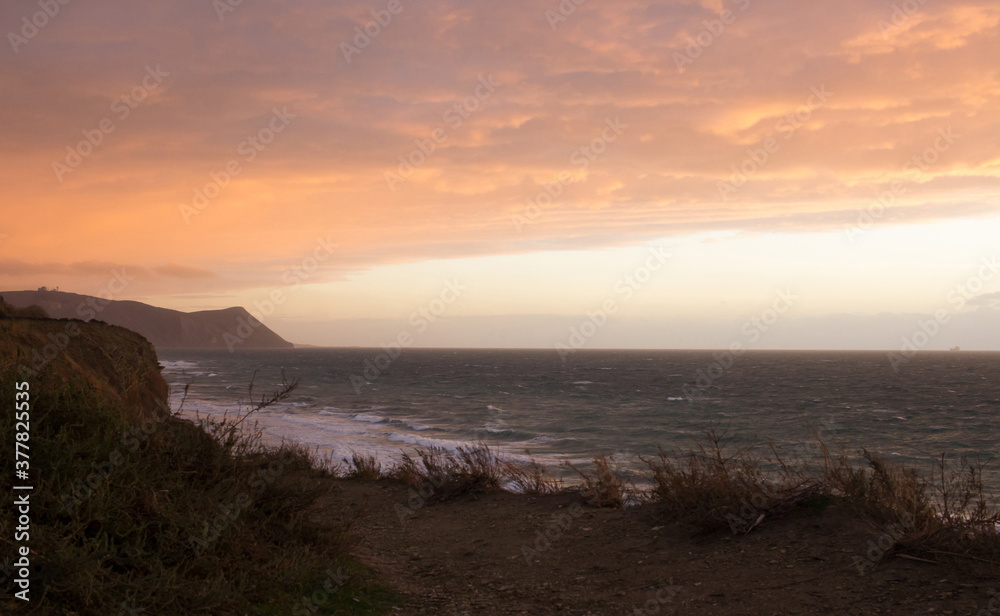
(369, 418)
(177, 366)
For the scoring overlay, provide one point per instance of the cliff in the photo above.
(108, 366)
(122, 507)
(215, 329)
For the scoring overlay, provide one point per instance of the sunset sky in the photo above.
(510, 167)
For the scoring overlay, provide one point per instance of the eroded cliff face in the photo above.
(105, 365)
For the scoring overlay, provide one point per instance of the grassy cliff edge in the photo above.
(135, 511)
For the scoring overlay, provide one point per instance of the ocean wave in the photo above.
(369, 418)
(177, 366)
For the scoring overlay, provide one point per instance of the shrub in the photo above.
(606, 487)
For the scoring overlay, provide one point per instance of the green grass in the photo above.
(170, 517)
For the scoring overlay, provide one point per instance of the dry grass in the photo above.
(469, 469)
(531, 478)
(475, 469)
(714, 487)
(947, 513)
(881, 491)
(365, 467)
(607, 486)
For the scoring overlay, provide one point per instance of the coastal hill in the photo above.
(210, 329)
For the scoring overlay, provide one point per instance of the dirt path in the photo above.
(511, 554)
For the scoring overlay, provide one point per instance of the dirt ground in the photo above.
(505, 553)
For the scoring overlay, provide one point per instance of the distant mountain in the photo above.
(233, 328)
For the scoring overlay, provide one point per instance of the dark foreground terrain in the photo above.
(486, 555)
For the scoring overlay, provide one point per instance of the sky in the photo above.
(575, 174)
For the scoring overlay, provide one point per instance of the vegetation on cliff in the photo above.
(135, 511)
(31, 312)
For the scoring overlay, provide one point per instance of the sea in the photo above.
(558, 409)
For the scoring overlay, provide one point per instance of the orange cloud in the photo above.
(206, 128)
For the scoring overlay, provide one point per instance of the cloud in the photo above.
(986, 300)
(174, 270)
(326, 173)
(13, 267)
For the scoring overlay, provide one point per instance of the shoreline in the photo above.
(188, 514)
(360, 439)
(570, 413)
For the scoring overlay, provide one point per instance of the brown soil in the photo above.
(473, 555)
